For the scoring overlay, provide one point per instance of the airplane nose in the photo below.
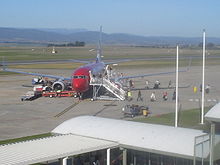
(76, 85)
(80, 85)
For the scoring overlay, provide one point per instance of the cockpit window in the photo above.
(79, 77)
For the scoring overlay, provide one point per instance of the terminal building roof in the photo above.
(154, 138)
(88, 133)
(213, 114)
(51, 148)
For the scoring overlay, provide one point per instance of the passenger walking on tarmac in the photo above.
(165, 97)
(131, 85)
(207, 88)
(147, 84)
(139, 96)
(110, 71)
(174, 95)
(153, 97)
(157, 84)
(169, 85)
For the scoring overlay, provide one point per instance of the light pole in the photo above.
(203, 79)
(177, 82)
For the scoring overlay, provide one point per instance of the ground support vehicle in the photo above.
(30, 95)
(135, 110)
(58, 93)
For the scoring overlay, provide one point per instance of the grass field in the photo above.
(110, 52)
(7, 73)
(42, 53)
(187, 119)
(48, 66)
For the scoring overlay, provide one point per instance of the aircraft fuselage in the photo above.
(81, 76)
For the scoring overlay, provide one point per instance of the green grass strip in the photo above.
(25, 138)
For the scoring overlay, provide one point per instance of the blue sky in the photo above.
(142, 17)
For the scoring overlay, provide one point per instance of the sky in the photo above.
(185, 18)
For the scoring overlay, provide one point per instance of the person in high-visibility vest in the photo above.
(195, 89)
(129, 95)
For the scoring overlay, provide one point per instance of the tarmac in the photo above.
(18, 119)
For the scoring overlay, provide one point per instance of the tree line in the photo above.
(70, 44)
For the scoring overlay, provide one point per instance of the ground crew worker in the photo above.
(129, 96)
(146, 111)
(195, 89)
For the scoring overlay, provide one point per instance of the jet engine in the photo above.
(59, 85)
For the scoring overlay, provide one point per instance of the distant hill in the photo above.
(21, 35)
(62, 30)
(44, 35)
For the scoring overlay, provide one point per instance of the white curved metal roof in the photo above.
(160, 139)
(214, 113)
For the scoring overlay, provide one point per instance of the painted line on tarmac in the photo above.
(207, 100)
(67, 109)
(4, 113)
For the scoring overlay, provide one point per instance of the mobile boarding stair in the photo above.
(115, 89)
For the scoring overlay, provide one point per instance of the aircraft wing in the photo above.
(119, 61)
(37, 74)
(155, 74)
(148, 59)
(107, 63)
(81, 61)
(173, 87)
(149, 74)
(139, 59)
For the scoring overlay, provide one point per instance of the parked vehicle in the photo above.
(30, 95)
